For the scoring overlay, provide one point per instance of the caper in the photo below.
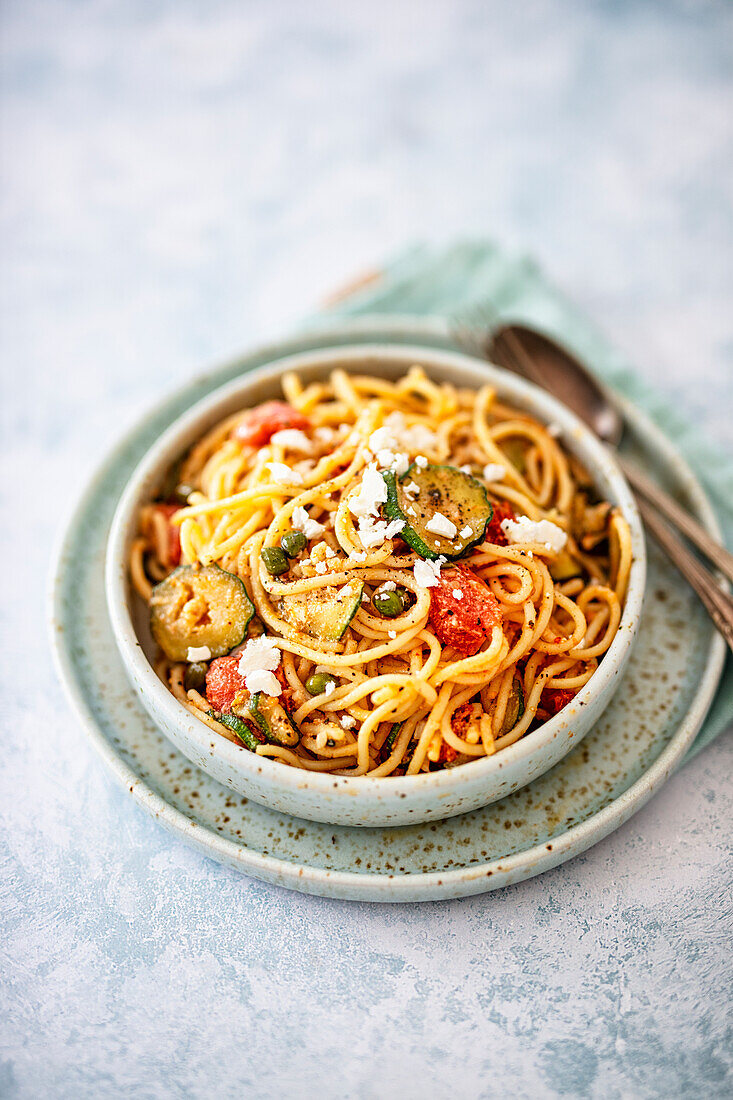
(195, 677)
(388, 604)
(318, 683)
(275, 560)
(293, 543)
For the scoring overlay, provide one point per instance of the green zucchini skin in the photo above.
(391, 738)
(325, 613)
(177, 602)
(270, 717)
(238, 726)
(458, 496)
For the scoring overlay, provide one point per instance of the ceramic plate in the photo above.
(632, 750)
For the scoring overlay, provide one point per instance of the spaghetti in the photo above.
(379, 578)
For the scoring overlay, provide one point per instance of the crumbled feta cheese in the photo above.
(427, 573)
(283, 475)
(466, 531)
(261, 680)
(411, 511)
(324, 434)
(260, 657)
(259, 653)
(411, 489)
(382, 438)
(441, 525)
(198, 653)
(421, 462)
(292, 439)
(465, 469)
(396, 435)
(457, 594)
(554, 429)
(388, 586)
(330, 687)
(524, 529)
(493, 471)
(320, 567)
(392, 633)
(329, 552)
(358, 555)
(390, 460)
(301, 521)
(372, 493)
(375, 532)
(347, 721)
(364, 598)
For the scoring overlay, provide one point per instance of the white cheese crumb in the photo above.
(466, 531)
(411, 511)
(262, 680)
(372, 493)
(388, 586)
(457, 594)
(347, 721)
(441, 525)
(465, 469)
(392, 633)
(421, 462)
(358, 555)
(259, 653)
(283, 475)
(324, 434)
(364, 598)
(390, 460)
(329, 552)
(427, 573)
(411, 489)
(320, 567)
(493, 471)
(301, 521)
(292, 439)
(198, 653)
(524, 529)
(330, 687)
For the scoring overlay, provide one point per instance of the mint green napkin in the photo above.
(447, 281)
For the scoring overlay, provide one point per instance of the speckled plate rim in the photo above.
(353, 885)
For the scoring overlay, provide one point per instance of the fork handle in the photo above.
(677, 515)
(718, 603)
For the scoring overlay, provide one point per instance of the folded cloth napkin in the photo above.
(443, 282)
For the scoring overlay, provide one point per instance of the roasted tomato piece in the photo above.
(223, 682)
(261, 423)
(554, 699)
(173, 549)
(463, 621)
(494, 533)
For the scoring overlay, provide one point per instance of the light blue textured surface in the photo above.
(178, 181)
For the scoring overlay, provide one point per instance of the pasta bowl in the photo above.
(364, 800)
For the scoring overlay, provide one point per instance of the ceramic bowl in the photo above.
(361, 801)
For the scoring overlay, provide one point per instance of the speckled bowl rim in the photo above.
(351, 884)
(382, 792)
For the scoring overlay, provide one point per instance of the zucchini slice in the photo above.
(324, 613)
(564, 567)
(458, 496)
(240, 728)
(268, 716)
(199, 606)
